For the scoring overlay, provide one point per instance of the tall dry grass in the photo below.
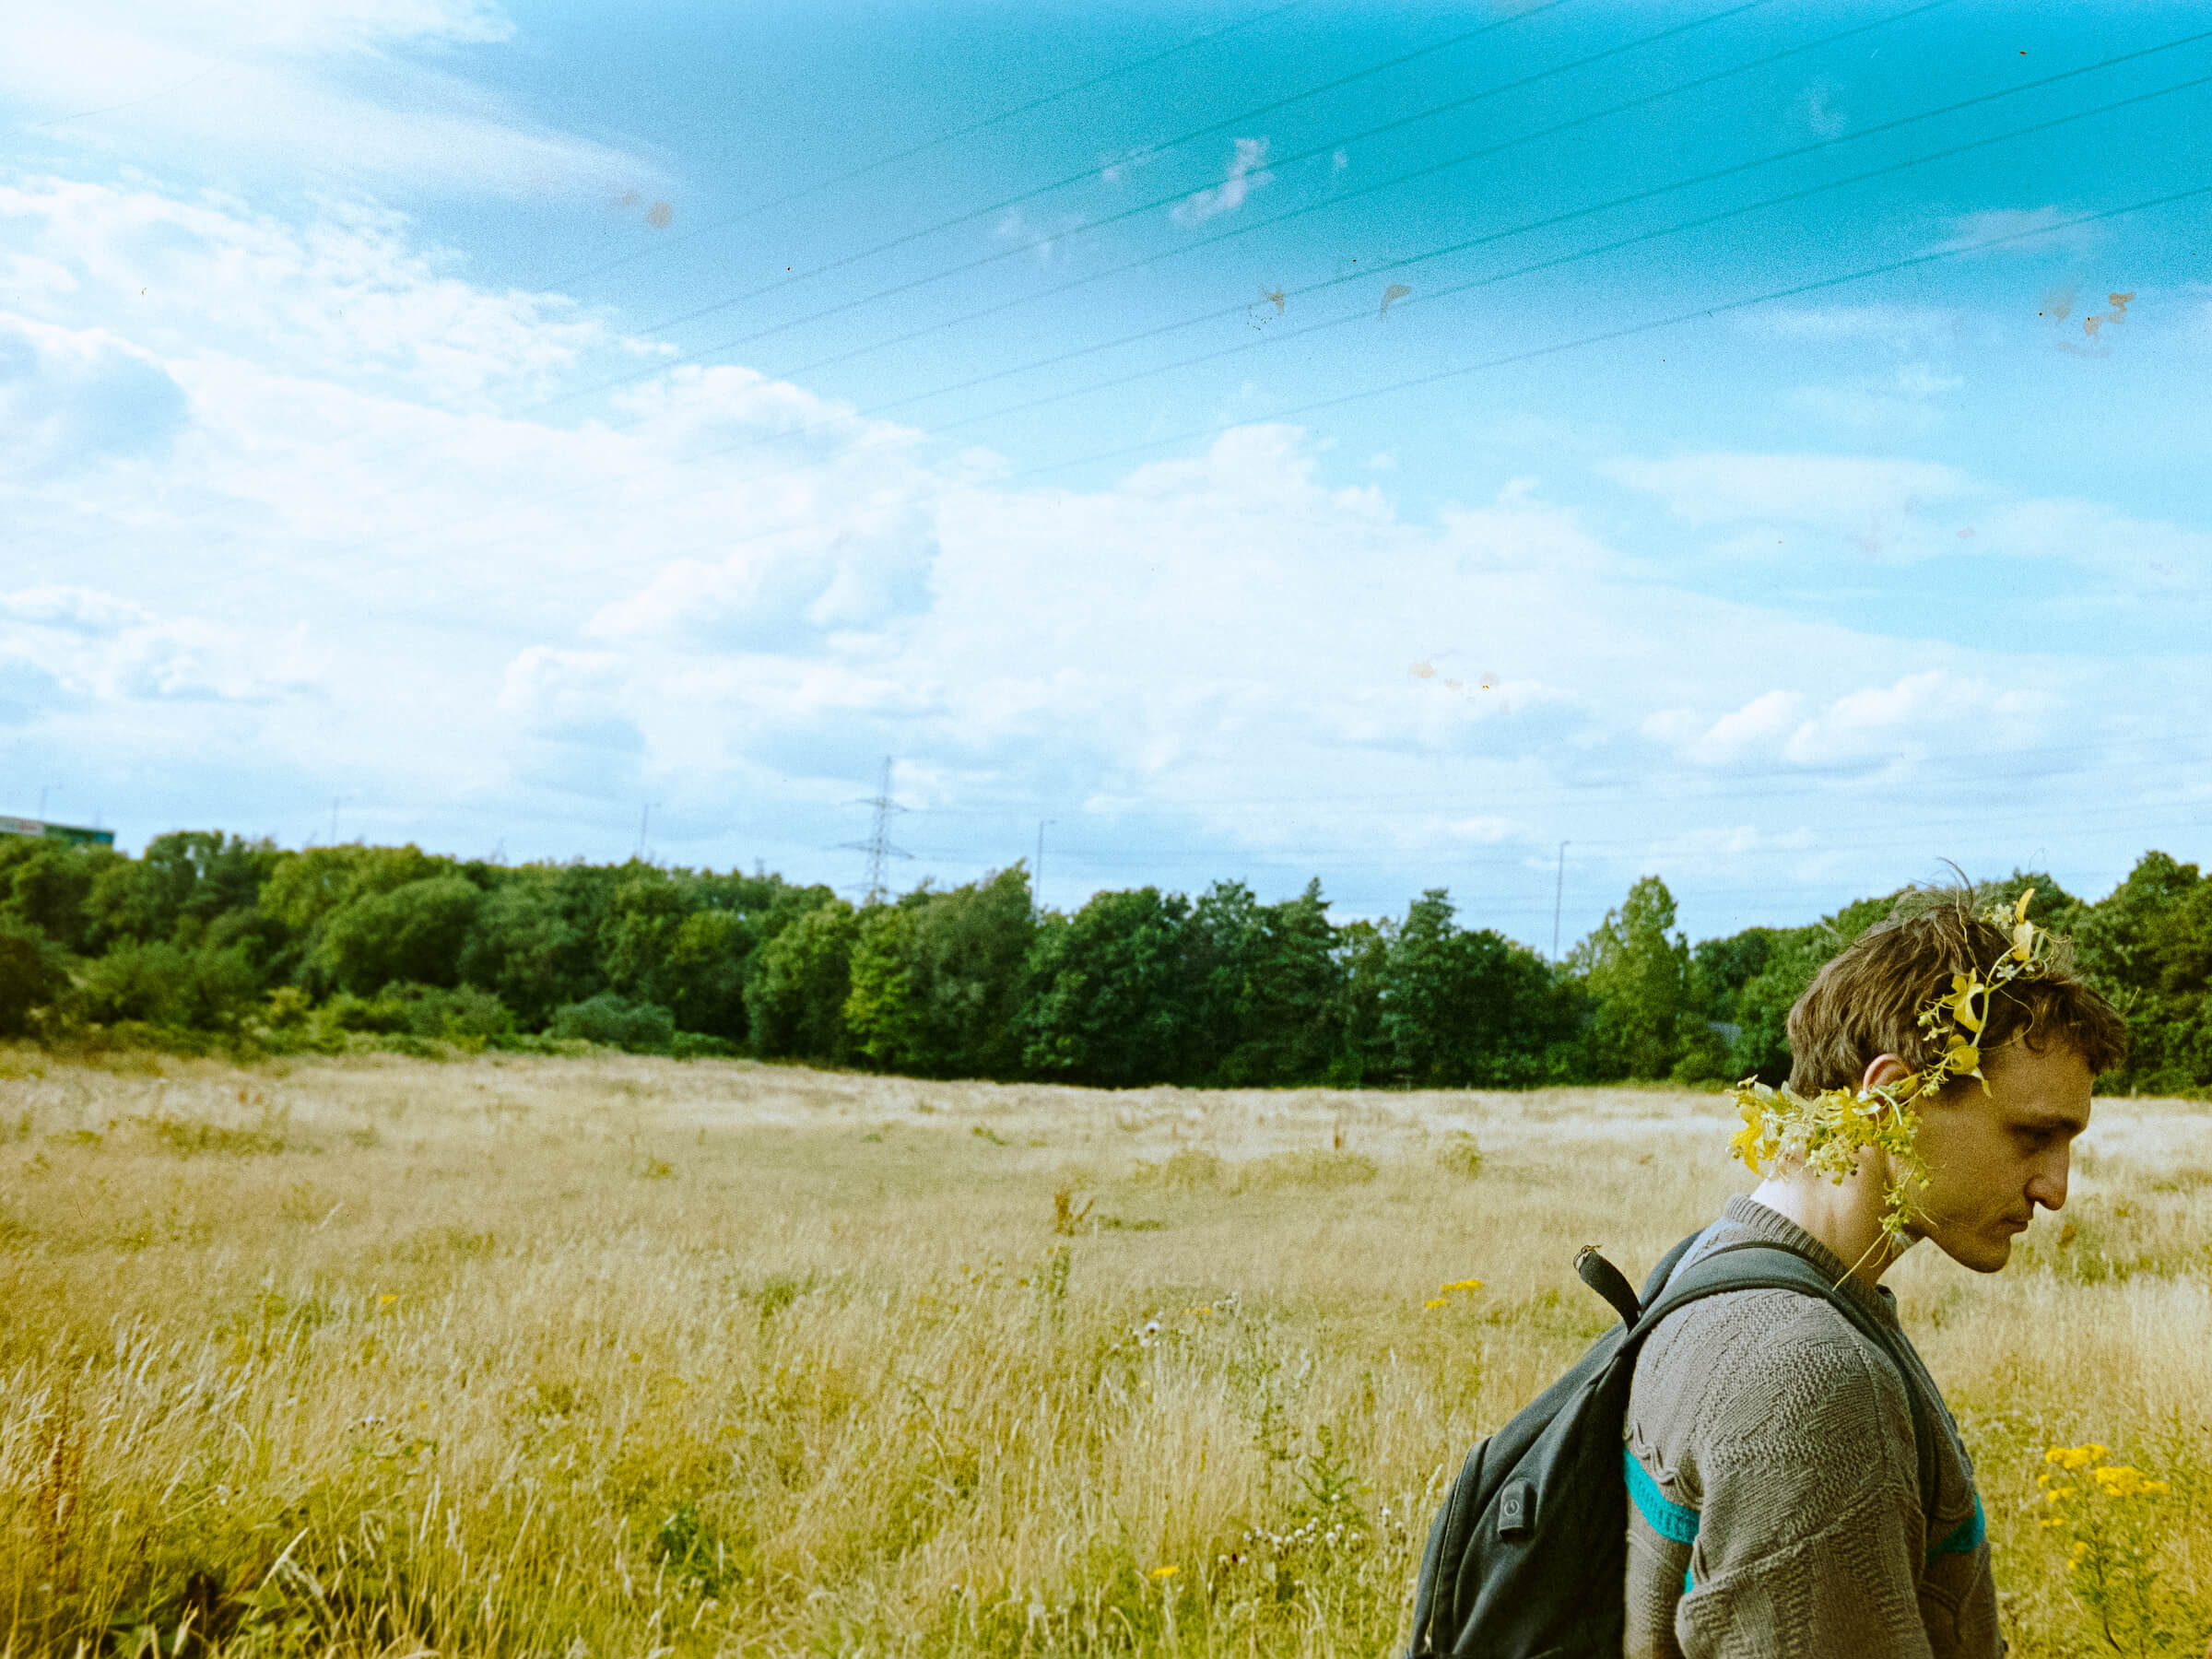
(617, 1356)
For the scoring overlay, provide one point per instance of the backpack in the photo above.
(1529, 1554)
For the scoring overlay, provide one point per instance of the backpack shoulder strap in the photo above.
(1666, 1270)
(1758, 1266)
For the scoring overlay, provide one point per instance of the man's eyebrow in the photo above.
(2053, 1120)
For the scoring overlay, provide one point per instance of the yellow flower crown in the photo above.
(1828, 1132)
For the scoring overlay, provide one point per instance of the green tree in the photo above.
(1720, 968)
(1465, 1008)
(31, 974)
(682, 939)
(209, 989)
(1270, 1010)
(1637, 972)
(963, 953)
(534, 943)
(638, 928)
(49, 885)
(796, 1001)
(1113, 998)
(704, 974)
(2148, 945)
(1361, 959)
(882, 1013)
(1762, 1004)
(413, 932)
(178, 887)
(303, 888)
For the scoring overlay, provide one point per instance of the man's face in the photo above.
(1993, 1157)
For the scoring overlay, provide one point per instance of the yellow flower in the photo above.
(2123, 1480)
(1436, 1301)
(1465, 1284)
(386, 1300)
(1163, 1573)
(1966, 1003)
(1745, 1143)
(2074, 1457)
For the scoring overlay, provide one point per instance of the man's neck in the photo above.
(1846, 1218)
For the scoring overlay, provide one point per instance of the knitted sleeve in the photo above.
(1792, 1438)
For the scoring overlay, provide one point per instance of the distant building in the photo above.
(77, 835)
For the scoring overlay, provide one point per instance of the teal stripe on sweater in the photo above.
(1966, 1538)
(1674, 1521)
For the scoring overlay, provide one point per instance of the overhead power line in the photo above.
(1240, 119)
(1503, 360)
(1365, 314)
(1328, 205)
(1325, 148)
(662, 366)
(665, 245)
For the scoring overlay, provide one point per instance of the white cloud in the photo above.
(1722, 487)
(1247, 171)
(74, 610)
(2018, 230)
(1900, 402)
(1818, 109)
(1901, 328)
(348, 297)
(1116, 168)
(734, 596)
(269, 90)
(1930, 712)
(1925, 714)
(94, 644)
(76, 398)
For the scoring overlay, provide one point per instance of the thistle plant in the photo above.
(1830, 1131)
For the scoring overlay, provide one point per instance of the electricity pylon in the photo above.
(879, 845)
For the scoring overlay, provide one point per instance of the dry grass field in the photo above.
(623, 1356)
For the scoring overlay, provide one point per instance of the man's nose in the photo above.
(2047, 1186)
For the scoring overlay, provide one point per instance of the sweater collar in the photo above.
(1745, 1215)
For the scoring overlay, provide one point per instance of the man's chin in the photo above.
(1983, 1253)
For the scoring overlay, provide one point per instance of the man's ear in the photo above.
(1882, 1071)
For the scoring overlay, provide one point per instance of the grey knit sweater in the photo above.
(1775, 1507)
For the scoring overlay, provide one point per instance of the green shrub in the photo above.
(31, 976)
(640, 1027)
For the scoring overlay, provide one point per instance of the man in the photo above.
(1776, 1504)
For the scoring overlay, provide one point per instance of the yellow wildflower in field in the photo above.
(2117, 1548)
(2121, 1481)
(1465, 1284)
(1165, 1573)
(2074, 1457)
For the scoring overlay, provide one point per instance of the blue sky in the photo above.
(1378, 443)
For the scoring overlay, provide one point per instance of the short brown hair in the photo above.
(1866, 1001)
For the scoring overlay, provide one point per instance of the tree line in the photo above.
(213, 939)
